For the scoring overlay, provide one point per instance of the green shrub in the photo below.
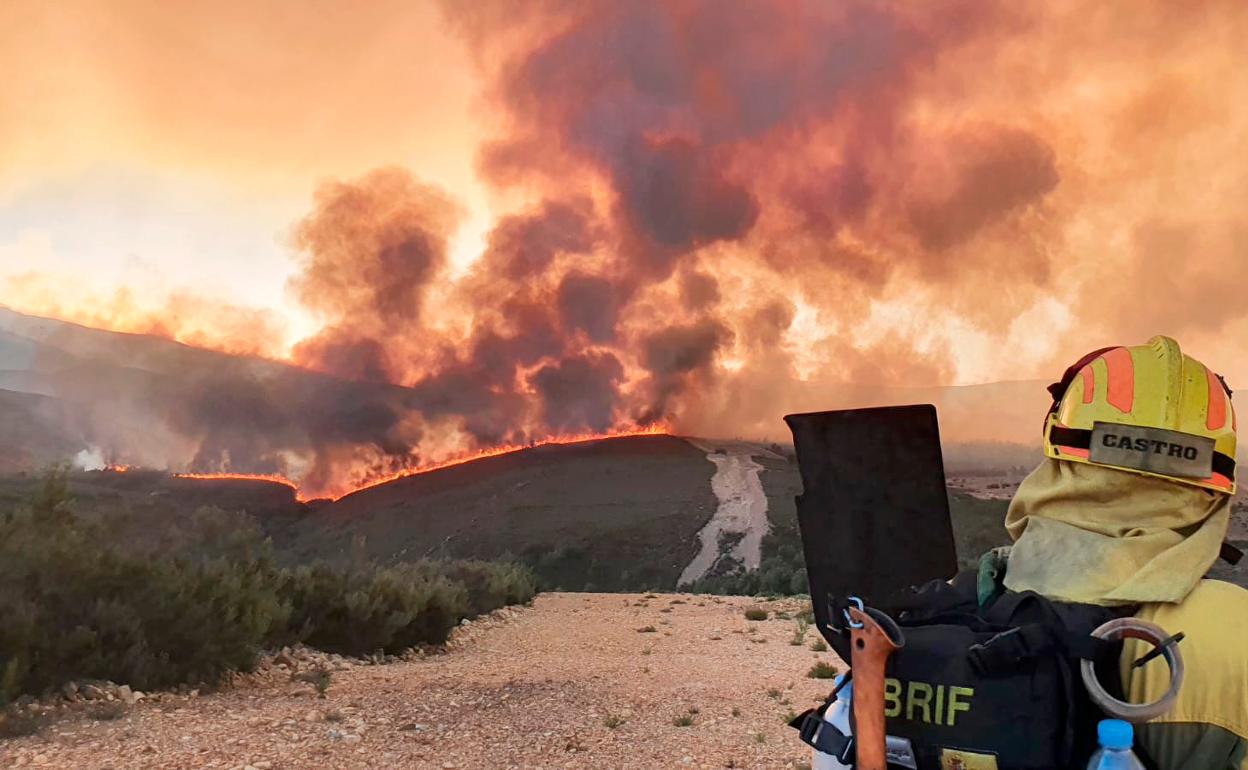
(755, 614)
(489, 585)
(360, 609)
(822, 670)
(77, 607)
(78, 604)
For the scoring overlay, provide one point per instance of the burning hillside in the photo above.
(340, 492)
(144, 402)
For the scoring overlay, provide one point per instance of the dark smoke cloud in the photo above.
(698, 290)
(589, 304)
(253, 422)
(346, 355)
(371, 249)
(995, 171)
(675, 197)
(667, 143)
(525, 245)
(580, 392)
(677, 357)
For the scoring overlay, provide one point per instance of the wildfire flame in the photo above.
(117, 468)
(495, 451)
(240, 477)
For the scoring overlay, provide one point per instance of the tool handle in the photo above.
(873, 640)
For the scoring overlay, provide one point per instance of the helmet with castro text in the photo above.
(1148, 409)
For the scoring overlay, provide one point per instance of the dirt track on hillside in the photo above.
(529, 688)
(742, 510)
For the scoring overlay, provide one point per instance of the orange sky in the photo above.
(168, 149)
(171, 146)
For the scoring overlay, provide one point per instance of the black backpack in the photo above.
(995, 685)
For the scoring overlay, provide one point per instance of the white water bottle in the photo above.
(1116, 738)
(836, 715)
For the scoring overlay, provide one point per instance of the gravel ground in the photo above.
(575, 681)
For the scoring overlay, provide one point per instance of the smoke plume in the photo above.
(734, 210)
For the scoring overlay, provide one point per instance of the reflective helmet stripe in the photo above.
(1217, 401)
(1089, 383)
(1120, 390)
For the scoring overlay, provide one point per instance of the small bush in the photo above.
(760, 738)
(755, 614)
(612, 721)
(647, 630)
(819, 646)
(319, 677)
(799, 635)
(684, 720)
(822, 670)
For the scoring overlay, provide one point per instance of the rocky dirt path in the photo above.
(742, 510)
(575, 681)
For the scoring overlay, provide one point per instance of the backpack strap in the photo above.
(1011, 650)
(822, 735)
(1041, 628)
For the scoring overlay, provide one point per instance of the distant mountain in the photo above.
(148, 401)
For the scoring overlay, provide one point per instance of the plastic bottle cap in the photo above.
(1115, 734)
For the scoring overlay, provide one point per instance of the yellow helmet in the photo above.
(1147, 409)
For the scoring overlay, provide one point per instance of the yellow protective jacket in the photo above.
(1091, 534)
(1208, 727)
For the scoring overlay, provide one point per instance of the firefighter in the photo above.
(1130, 508)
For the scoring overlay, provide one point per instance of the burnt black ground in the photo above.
(609, 514)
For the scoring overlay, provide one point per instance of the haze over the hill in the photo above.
(151, 402)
